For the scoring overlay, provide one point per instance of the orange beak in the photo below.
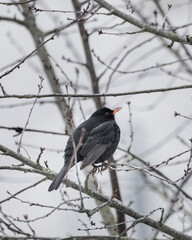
(116, 110)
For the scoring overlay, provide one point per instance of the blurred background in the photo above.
(123, 59)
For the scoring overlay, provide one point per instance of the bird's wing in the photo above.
(99, 140)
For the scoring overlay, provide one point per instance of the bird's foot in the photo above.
(99, 168)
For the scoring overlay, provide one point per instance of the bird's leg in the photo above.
(94, 170)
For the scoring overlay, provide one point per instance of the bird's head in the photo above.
(105, 114)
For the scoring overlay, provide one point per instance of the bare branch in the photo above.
(163, 176)
(114, 203)
(16, 3)
(144, 26)
(29, 96)
(119, 206)
(68, 238)
(18, 130)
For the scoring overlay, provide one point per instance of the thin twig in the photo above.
(40, 154)
(176, 114)
(67, 11)
(139, 70)
(140, 220)
(165, 17)
(76, 148)
(131, 126)
(22, 190)
(187, 171)
(2, 89)
(40, 86)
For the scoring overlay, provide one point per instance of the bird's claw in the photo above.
(99, 168)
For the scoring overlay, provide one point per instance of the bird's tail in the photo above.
(57, 181)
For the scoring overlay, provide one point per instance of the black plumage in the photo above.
(95, 141)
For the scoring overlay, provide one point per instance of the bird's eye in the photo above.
(107, 114)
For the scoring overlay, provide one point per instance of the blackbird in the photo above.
(93, 141)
